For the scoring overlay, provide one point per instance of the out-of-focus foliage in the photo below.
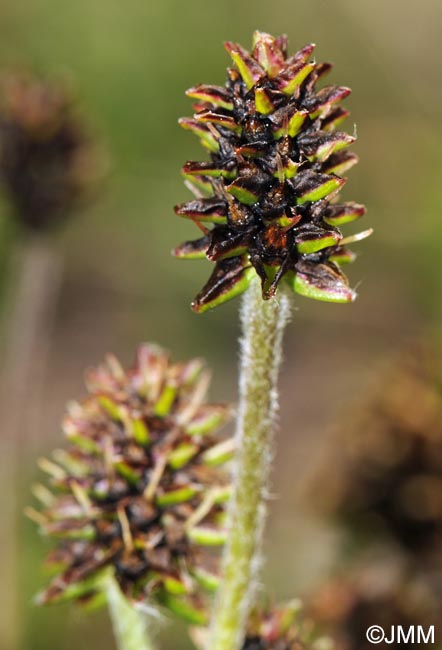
(383, 594)
(383, 469)
(380, 481)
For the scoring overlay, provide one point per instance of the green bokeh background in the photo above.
(130, 64)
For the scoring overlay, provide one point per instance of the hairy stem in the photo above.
(129, 624)
(263, 325)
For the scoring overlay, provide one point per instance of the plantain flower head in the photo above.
(140, 489)
(47, 161)
(267, 199)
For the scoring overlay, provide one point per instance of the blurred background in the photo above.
(110, 281)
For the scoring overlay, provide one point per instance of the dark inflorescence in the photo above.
(140, 490)
(383, 470)
(269, 193)
(47, 160)
(346, 606)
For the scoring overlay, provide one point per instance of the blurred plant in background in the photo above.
(383, 469)
(48, 164)
(47, 161)
(380, 479)
(379, 593)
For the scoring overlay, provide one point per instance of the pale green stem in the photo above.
(129, 624)
(263, 325)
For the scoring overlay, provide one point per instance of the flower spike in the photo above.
(269, 191)
(140, 490)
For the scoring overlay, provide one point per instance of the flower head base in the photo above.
(46, 159)
(270, 188)
(275, 628)
(139, 490)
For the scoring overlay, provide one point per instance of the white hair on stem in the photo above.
(263, 324)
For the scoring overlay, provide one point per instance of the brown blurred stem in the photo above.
(263, 324)
(30, 306)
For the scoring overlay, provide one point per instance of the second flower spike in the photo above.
(267, 200)
(139, 490)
